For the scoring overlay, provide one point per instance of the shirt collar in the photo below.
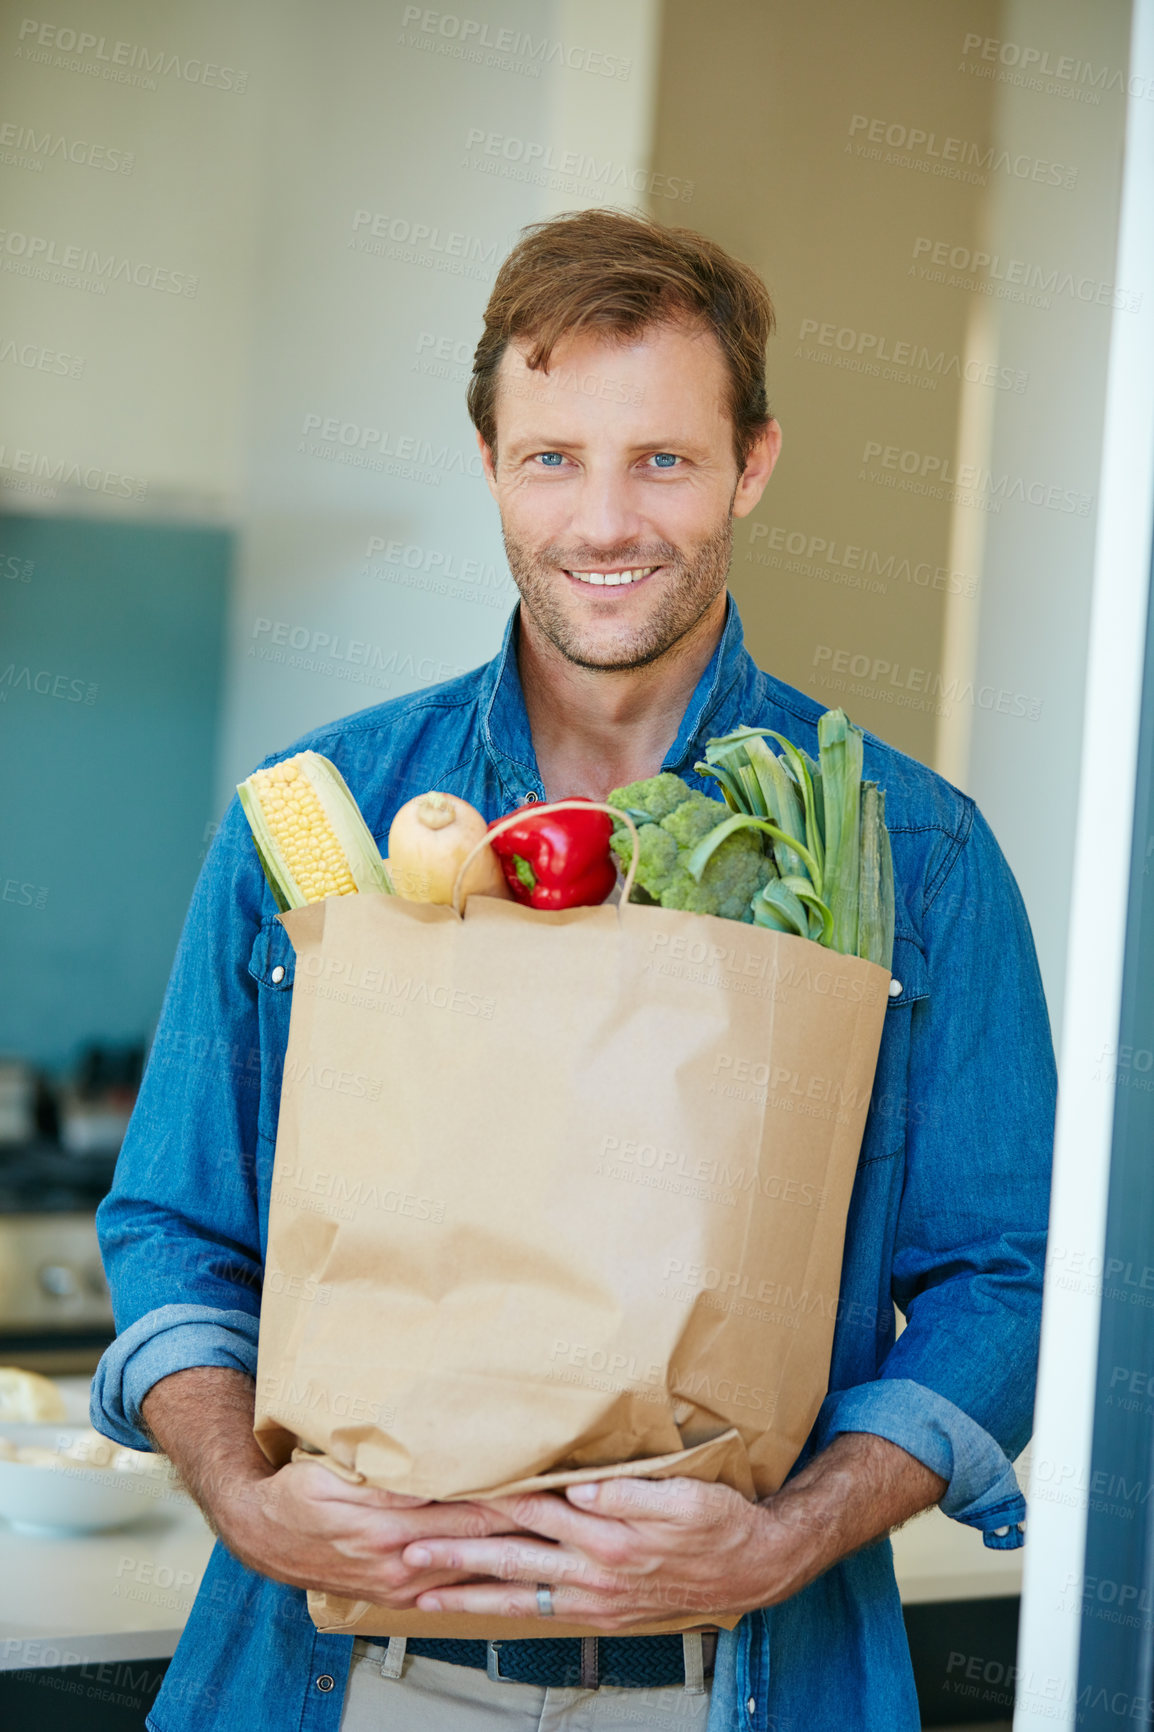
(504, 721)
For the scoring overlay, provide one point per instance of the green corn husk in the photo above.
(310, 837)
(840, 748)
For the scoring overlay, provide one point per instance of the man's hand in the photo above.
(624, 1552)
(299, 1524)
(654, 1549)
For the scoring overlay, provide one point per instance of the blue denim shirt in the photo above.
(947, 1219)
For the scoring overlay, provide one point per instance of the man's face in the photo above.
(618, 464)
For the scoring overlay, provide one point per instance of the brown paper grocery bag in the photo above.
(556, 1192)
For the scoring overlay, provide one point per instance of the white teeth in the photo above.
(614, 577)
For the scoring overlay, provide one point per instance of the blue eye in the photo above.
(551, 459)
(664, 459)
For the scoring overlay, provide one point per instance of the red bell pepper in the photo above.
(557, 859)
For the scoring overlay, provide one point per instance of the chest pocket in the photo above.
(890, 1108)
(273, 960)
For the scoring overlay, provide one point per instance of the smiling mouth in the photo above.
(614, 579)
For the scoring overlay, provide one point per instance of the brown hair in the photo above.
(620, 273)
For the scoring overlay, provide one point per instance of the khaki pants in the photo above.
(432, 1696)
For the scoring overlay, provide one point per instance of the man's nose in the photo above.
(605, 513)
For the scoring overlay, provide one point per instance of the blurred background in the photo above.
(244, 256)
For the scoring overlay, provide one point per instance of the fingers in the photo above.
(684, 1502)
(615, 1519)
(513, 1560)
(410, 1517)
(499, 1600)
(548, 1514)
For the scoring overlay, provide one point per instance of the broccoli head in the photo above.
(654, 798)
(672, 818)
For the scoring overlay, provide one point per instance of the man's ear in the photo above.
(488, 465)
(758, 469)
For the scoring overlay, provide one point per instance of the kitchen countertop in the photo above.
(125, 1595)
(90, 1598)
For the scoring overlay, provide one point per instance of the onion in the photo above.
(428, 839)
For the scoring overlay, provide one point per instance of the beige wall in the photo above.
(270, 125)
(761, 107)
(976, 468)
(335, 196)
(159, 182)
(1030, 632)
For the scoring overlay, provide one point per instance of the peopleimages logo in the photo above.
(917, 148)
(37, 358)
(442, 357)
(850, 563)
(1058, 75)
(72, 50)
(501, 47)
(540, 164)
(436, 571)
(913, 688)
(1011, 279)
(24, 147)
(421, 238)
(967, 483)
(59, 472)
(905, 361)
(330, 647)
(31, 255)
(376, 448)
(953, 158)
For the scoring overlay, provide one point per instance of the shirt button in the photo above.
(529, 800)
(751, 1707)
(325, 1681)
(895, 988)
(277, 975)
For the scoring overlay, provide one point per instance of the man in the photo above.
(619, 399)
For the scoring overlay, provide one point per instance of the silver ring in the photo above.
(544, 1599)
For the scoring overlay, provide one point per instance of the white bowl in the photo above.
(73, 1496)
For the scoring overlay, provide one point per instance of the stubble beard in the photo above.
(689, 585)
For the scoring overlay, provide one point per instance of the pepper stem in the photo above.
(524, 871)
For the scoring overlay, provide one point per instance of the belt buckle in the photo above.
(590, 1664)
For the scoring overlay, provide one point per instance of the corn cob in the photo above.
(309, 834)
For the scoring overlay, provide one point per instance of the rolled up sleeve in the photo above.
(172, 1338)
(982, 1489)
